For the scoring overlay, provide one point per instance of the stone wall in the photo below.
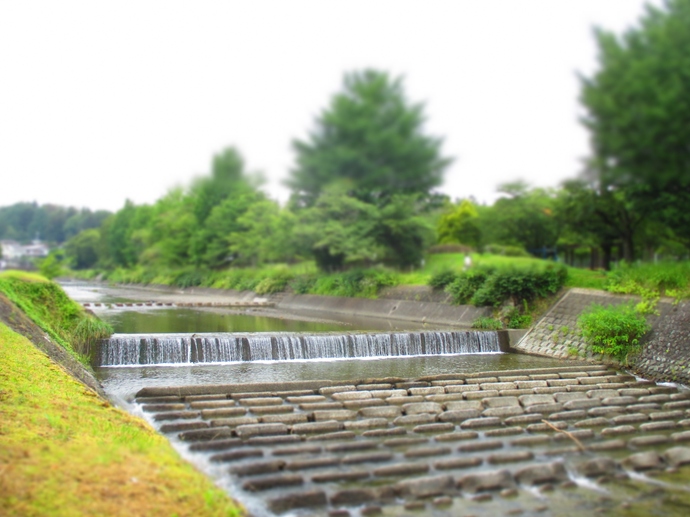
(665, 351)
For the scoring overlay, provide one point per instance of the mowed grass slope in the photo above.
(66, 452)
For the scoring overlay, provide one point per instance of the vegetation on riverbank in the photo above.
(64, 451)
(64, 320)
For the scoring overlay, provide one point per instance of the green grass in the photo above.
(66, 452)
(65, 321)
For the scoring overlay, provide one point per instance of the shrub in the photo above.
(442, 279)
(493, 287)
(270, 285)
(87, 333)
(466, 285)
(303, 284)
(487, 323)
(671, 278)
(507, 251)
(614, 331)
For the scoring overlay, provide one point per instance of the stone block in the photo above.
(317, 427)
(401, 469)
(353, 497)
(366, 423)
(421, 418)
(235, 455)
(334, 414)
(486, 481)
(340, 476)
(457, 463)
(268, 482)
(431, 390)
(485, 445)
(297, 500)
(643, 461)
(597, 467)
(367, 457)
(510, 457)
(661, 425)
(457, 436)
(259, 467)
(524, 419)
(351, 395)
(423, 452)
(289, 418)
(462, 388)
(494, 402)
(503, 412)
(312, 463)
(531, 400)
(434, 428)
(474, 423)
(543, 473)
(399, 401)
(249, 430)
(212, 433)
(330, 390)
(424, 486)
(648, 441)
(677, 456)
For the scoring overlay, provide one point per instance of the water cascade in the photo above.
(150, 349)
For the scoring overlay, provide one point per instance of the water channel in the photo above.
(631, 493)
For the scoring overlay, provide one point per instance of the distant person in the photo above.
(468, 261)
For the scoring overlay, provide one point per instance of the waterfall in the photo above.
(142, 349)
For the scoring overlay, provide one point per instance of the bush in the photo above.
(614, 331)
(87, 333)
(303, 284)
(493, 287)
(270, 285)
(363, 283)
(442, 279)
(671, 278)
(506, 251)
(466, 285)
(487, 323)
(450, 248)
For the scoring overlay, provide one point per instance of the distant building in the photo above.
(16, 255)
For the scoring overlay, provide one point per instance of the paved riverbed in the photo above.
(554, 440)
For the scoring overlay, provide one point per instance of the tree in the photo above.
(370, 140)
(82, 249)
(460, 225)
(638, 107)
(524, 218)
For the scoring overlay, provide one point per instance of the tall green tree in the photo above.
(460, 225)
(638, 108)
(371, 141)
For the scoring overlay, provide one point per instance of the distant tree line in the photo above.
(364, 179)
(24, 222)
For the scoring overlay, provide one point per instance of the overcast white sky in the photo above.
(104, 101)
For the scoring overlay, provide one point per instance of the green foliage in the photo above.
(647, 279)
(87, 333)
(442, 279)
(484, 286)
(637, 113)
(518, 320)
(370, 141)
(360, 283)
(467, 284)
(614, 331)
(524, 218)
(53, 265)
(487, 323)
(459, 225)
(51, 309)
(505, 250)
(82, 249)
(24, 222)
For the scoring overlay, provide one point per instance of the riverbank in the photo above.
(66, 451)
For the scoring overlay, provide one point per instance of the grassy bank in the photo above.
(65, 452)
(65, 321)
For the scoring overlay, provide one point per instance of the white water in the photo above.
(152, 349)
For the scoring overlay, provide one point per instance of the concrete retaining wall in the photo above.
(665, 351)
(425, 312)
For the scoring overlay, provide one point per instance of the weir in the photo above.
(152, 349)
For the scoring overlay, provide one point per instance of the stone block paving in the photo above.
(425, 444)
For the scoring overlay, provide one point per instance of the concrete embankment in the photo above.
(482, 443)
(664, 353)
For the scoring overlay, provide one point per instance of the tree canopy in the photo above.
(638, 107)
(371, 141)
